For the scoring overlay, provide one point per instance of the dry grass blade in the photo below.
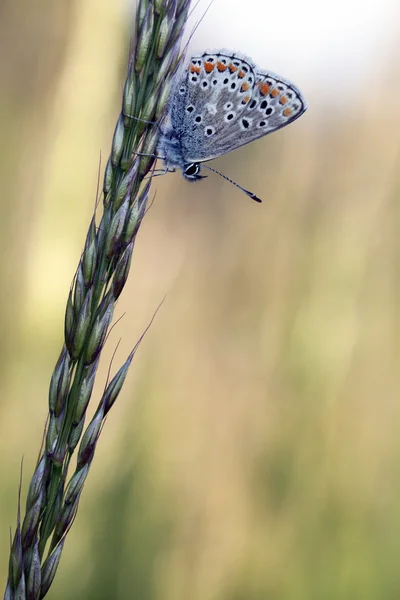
(53, 498)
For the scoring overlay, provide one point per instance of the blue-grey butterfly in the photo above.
(221, 102)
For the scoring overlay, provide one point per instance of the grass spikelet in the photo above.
(53, 496)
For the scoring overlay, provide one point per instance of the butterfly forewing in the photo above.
(213, 92)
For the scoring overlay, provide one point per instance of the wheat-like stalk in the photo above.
(53, 496)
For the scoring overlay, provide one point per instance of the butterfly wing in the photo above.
(223, 102)
(275, 103)
(214, 90)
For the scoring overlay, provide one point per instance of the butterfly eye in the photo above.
(192, 170)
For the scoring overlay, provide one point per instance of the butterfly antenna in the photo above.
(250, 194)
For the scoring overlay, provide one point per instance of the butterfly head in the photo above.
(191, 172)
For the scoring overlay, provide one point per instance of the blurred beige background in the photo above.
(254, 453)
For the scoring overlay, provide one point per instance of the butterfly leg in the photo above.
(144, 121)
(163, 172)
(152, 155)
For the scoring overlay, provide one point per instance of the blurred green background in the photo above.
(254, 453)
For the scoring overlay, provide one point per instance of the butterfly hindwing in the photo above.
(276, 102)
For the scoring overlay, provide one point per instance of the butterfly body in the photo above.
(221, 102)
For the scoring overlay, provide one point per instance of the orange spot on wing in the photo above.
(245, 99)
(264, 89)
(208, 67)
(284, 100)
(194, 69)
(274, 93)
(287, 112)
(245, 86)
(232, 68)
(221, 67)
(241, 74)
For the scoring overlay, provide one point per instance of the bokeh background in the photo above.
(254, 453)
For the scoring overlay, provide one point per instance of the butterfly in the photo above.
(220, 102)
